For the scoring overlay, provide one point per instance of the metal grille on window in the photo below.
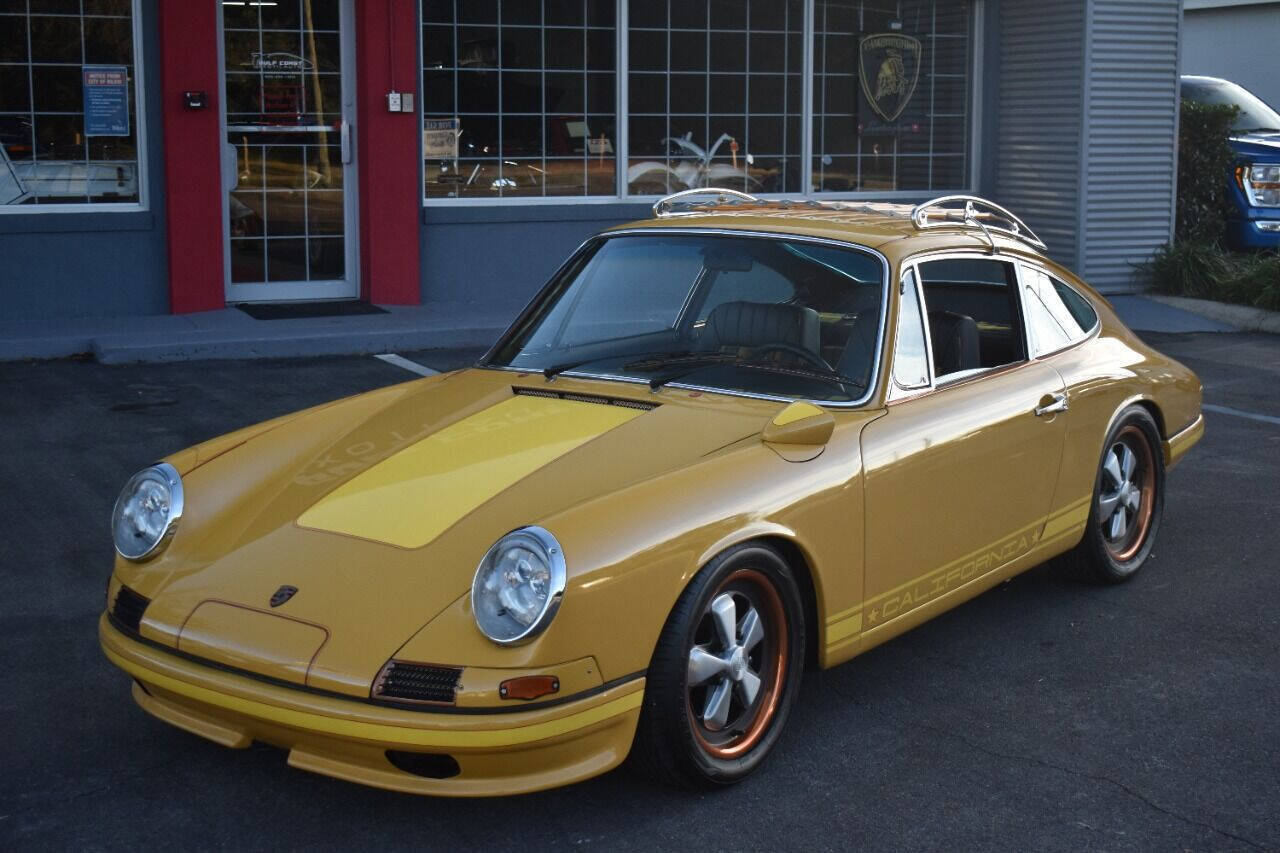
(519, 98)
(68, 105)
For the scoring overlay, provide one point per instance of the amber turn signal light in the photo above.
(528, 687)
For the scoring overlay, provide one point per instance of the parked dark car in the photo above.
(1253, 188)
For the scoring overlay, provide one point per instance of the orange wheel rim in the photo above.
(737, 665)
(1126, 497)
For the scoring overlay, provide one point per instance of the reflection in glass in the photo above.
(520, 105)
(284, 112)
(47, 153)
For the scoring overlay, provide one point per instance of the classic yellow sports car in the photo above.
(721, 445)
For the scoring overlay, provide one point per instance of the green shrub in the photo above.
(1206, 271)
(1205, 161)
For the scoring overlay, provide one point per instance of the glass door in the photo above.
(288, 157)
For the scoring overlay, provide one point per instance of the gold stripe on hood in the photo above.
(412, 497)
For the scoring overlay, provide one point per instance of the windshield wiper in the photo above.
(832, 375)
(691, 364)
(556, 369)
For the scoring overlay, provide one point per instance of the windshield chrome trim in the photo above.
(650, 231)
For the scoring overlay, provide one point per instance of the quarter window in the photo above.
(1056, 314)
(68, 103)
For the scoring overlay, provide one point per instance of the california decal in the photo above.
(889, 68)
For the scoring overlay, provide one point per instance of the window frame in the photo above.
(622, 145)
(535, 306)
(140, 104)
(953, 380)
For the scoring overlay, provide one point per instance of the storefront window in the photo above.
(890, 95)
(802, 97)
(519, 98)
(716, 95)
(68, 103)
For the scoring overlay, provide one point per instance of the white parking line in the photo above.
(1253, 416)
(405, 364)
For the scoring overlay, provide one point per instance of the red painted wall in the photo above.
(193, 176)
(389, 152)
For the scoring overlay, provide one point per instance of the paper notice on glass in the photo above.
(12, 190)
(440, 138)
(106, 100)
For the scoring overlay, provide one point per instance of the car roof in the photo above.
(895, 230)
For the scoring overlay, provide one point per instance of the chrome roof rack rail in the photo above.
(976, 213)
(715, 196)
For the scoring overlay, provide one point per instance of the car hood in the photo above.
(1263, 145)
(377, 510)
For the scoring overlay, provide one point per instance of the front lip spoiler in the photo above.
(348, 718)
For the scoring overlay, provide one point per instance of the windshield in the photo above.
(1254, 113)
(758, 315)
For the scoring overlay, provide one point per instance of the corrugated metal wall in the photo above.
(1087, 128)
(1040, 97)
(1236, 43)
(1131, 131)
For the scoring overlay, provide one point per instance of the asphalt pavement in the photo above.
(1042, 715)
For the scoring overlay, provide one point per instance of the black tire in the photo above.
(1100, 557)
(675, 745)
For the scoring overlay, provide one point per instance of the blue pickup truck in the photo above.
(1253, 189)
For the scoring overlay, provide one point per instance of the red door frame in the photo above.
(387, 153)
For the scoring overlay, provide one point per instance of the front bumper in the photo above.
(499, 753)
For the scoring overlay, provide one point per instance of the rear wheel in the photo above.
(1128, 501)
(725, 672)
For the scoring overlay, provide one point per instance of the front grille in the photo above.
(128, 607)
(584, 398)
(417, 682)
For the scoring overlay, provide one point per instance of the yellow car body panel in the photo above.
(378, 508)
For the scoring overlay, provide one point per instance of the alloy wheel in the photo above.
(1127, 495)
(737, 665)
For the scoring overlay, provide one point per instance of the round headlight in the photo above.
(518, 586)
(147, 512)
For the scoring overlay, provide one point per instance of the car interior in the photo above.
(973, 313)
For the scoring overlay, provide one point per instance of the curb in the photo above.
(1244, 317)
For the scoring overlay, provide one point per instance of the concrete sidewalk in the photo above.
(232, 334)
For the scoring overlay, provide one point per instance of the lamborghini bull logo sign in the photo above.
(889, 68)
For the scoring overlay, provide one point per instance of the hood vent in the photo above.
(128, 608)
(583, 398)
(417, 682)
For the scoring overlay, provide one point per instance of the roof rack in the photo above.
(976, 213)
(946, 211)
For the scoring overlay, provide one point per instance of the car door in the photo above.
(960, 472)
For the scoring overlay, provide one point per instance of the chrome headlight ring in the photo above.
(518, 586)
(147, 513)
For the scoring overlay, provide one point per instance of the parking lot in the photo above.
(1043, 715)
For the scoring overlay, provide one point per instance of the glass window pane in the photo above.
(709, 99)
(1056, 314)
(910, 359)
(519, 99)
(67, 90)
(890, 99)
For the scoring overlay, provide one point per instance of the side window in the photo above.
(971, 307)
(1056, 315)
(910, 357)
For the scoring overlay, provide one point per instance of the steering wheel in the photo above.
(803, 354)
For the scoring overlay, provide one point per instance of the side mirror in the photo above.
(800, 426)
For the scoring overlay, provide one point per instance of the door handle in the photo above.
(346, 142)
(1051, 404)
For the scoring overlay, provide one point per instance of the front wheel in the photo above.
(725, 672)
(1128, 501)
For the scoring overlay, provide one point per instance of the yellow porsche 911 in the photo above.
(737, 439)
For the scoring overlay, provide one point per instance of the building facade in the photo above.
(162, 156)
(1235, 40)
